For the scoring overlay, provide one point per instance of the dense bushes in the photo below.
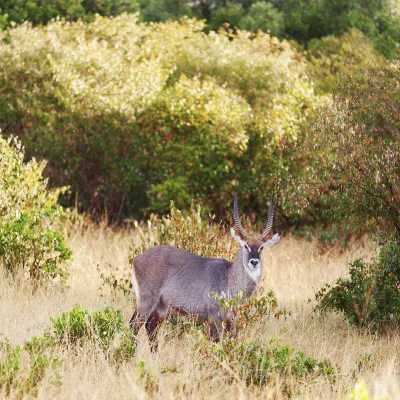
(28, 212)
(22, 368)
(106, 329)
(348, 158)
(299, 20)
(257, 363)
(333, 59)
(131, 118)
(42, 11)
(369, 297)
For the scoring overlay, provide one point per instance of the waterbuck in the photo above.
(168, 280)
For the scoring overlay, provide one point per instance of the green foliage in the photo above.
(28, 215)
(170, 114)
(332, 59)
(259, 364)
(305, 21)
(360, 392)
(162, 10)
(264, 16)
(243, 311)
(106, 325)
(42, 11)
(71, 326)
(3, 20)
(22, 369)
(231, 15)
(348, 159)
(186, 231)
(369, 297)
(28, 244)
(105, 328)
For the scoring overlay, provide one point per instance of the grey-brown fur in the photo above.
(171, 280)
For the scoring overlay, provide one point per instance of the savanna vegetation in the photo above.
(127, 124)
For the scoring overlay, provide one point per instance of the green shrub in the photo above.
(42, 11)
(369, 297)
(21, 374)
(305, 21)
(231, 15)
(72, 326)
(29, 214)
(260, 364)
(170, 114)
(28, 244)
(106, 324)
(104, 328)
(243, 311)
(347, 160)
(264, 16)
(332, 59)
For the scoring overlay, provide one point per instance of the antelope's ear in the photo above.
(237, 237)
(273, 241)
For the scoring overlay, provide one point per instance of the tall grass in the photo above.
(295, 269)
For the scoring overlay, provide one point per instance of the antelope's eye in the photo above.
(260, 249)
(247, 248)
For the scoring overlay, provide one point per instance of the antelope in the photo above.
(168, 280)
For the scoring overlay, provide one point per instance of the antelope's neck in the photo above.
(240, 279)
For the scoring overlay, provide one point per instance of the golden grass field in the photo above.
(294, 269)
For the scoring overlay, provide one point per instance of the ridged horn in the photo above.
(243, 234)
(268, 228)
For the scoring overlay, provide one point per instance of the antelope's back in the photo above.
(183, 279)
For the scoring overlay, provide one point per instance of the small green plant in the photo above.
(146, 376)
(105, 328)
(106, 324)
(10, 364)
(28, 243)
(29, 215)
(370, 296)
(243, 311)
(23, 368)
(360, 392)
(259, 364)
(71, 326)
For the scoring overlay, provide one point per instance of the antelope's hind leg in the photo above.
(144, 310)
(153, 323)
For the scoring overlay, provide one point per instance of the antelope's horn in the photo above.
(243, 234)
(268, 228)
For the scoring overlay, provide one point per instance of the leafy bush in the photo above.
(332, 59)
(171, 113)
(264, 16)
(19, 376)
(347, 160)
(71, 326)
(370, 296)
(28, 244)
(42, 11)
(259, 364)
(28, 215)
(105, 328)
(243, 311)
(305, 21)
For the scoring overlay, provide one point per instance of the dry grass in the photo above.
(295, 269)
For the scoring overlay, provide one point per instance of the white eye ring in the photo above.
(247, 247)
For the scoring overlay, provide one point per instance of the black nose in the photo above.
(253, 262)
